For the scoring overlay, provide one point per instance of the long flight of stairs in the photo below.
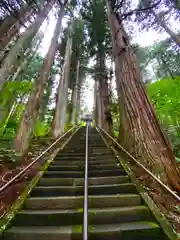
(54, 209)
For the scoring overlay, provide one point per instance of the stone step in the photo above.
(82, 159)
(54, 209)
(60, 174)
(79, 190)
(70, 202)
(143, 230)
(80, 162)
(75, 216)
(81, 154)
(90, 151)
(80, 181)
(79, 174)
(65, 154)
(82, 166)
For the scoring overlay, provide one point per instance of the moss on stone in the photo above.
(90, 228)
(80, 210)
(77, 229)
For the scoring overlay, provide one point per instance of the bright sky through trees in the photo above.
(141, 37)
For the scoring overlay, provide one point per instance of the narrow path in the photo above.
(54, 210)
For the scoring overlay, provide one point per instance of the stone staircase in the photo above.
(54, 209)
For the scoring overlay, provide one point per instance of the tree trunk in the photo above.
(10, 21)
(62, 95)
(11, 25)
(107, 123)
(77, 117)
(25, 61)
(21, 142)
(70, 105)
(140, 132)
(46, 97)
(56, 118)
(74, 100)
(23, 43)
(161, 22)
(167, 69)
(95, 104)
(98, 107)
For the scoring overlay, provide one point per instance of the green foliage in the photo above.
(14, 94)
(95, 17)
(167, 59)
(41, 129)
(68, 126)
(162, 56)
(31, 70)
(116, 133)
(9, 133)
(14, 89)
(165, 97)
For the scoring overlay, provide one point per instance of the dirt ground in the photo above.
(9, 170)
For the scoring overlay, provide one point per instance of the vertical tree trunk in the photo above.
(98, 107)
(17, 65)
(21, 142)
(23, 43)
(46, 97)
(107, 123)
(56, 118)
(62, 95)
(70, 105)
(95, 104)
(77, 117)
(75, 99)
(142, 135)
(167, 69)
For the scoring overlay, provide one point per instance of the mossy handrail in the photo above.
(35, 160)
(144, 168)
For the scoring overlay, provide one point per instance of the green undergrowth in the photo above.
(8, 155)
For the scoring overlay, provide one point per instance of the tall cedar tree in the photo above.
(140, 131)
(22, 140)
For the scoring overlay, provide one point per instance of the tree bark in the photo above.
(25, 61)
(74, 100)
(167, 69)
(21, 142)
(62, 94)
(23, 43)
(140, 133)
(98, 107)
(11, 26)
(57, 116)
(107, 123)
(9, 21)
(77, 117)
